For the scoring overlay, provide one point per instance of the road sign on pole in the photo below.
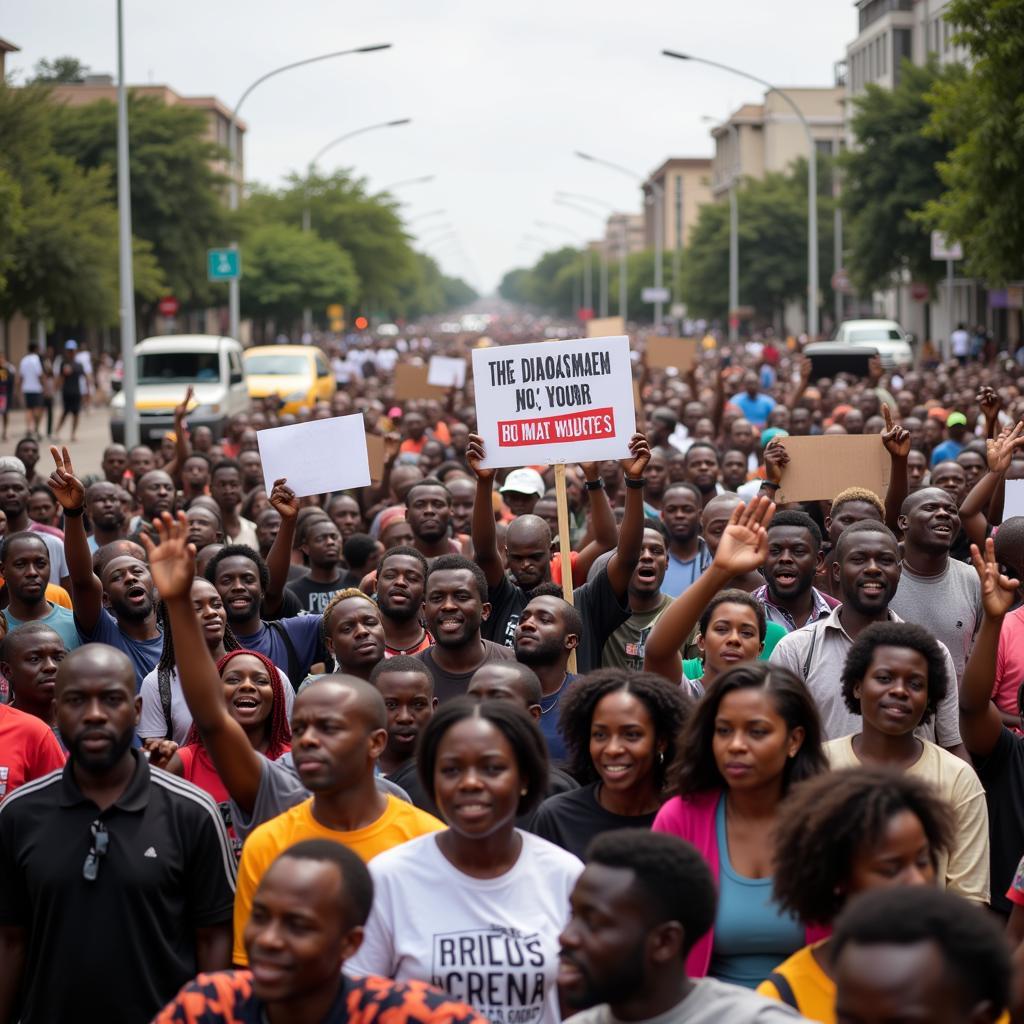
(223, 264)
(943, 249)
(655, 295)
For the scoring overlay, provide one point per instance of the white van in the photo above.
(166, 366)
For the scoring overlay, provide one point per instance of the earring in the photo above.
(522, 792)
(661, 757)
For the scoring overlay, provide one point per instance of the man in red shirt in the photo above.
(28, 749)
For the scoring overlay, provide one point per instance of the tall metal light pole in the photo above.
(124, 220)
(812, 182)
(307, 313)
(603, 300)
(424, 216)
(234, 290)
(623, 246)
(659, 214)
(734, 230)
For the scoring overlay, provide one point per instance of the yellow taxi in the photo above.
(298, 374)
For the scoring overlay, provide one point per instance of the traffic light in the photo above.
(361, 323)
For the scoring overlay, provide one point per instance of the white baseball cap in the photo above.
(524, 481)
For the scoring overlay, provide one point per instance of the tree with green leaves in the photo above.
(62, 256)
(177, 196)
(979, 116)
(889, 177)
(773, 247)
(60, 70)
(287, 270)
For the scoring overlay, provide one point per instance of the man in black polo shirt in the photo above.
(602, 602)
(117, 881)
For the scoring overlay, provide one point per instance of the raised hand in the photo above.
(895, 438)
(160, 751)
(874, 369)
(590, 470)
(392, 446)
(66, 487)
(172, 560)
(640, 455)
(989, 401)
(744, 543)
(282, 497)
(475, 455)
(181, 409)
(806, 369)
(998, 592)
(999, 452)
(776, 459)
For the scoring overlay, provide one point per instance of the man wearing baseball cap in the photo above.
(522, 489)
(71, 374)
(956, 430)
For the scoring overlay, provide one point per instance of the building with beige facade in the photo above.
(218, 117)
(763, 138)
(685, 183)
(6, 48)
(628, 226)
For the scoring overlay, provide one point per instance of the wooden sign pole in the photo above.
(564, 545)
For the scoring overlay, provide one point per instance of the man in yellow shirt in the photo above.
(338, 733)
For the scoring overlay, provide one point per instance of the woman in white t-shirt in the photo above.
(476, 909)
(895, 677)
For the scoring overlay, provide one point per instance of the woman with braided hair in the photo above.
(838, 835)
(255, 696)
(165, 714)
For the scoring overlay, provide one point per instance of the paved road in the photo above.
(93, 437)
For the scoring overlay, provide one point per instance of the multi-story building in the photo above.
(685, 183)
(218, 117)
(6, 48)
(762, 138)
(628, 226)
(887, 32)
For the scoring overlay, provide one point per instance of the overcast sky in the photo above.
(500, 95)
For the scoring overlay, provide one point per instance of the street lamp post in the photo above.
(307, 313)
(234, 289)
(604, 249)
(408, 181)
(659, 203)
(812, 182)
(734, 231)
(124, 219)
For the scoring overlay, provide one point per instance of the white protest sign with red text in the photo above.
(556, 401)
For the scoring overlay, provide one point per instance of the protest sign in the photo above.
(820, 467)
(554, 402)
(446, 372)
(1013, 499)
(411, 382)
(316, 457)
(606, 327)
(375, 456)
(676, 353)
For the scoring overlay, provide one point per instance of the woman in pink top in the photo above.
(755, 733)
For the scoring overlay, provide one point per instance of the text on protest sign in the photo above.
(551, 402)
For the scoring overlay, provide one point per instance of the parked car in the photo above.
(298, 374)
(886, 336)
(166, 366)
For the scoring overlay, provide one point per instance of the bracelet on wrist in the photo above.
(594, 485)
(74, 513)
(635, 483)
(769, 485)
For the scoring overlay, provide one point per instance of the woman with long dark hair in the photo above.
(620, 729)
(755, 733)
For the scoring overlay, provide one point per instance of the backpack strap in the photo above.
(810, 652)
(294, 672)
(784, 989)
(163, 682)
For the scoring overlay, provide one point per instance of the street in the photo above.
(86, 452)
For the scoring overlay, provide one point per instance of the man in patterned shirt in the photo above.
(307, 919)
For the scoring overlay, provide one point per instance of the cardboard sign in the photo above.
(446, 372)
(375, 457)
(411, 382)
(606, 327)
(1013, 499)
(666, 353)
(316, 457)
(820, 467)
(554, 402)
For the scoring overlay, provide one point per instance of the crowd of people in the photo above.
(322, 758)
